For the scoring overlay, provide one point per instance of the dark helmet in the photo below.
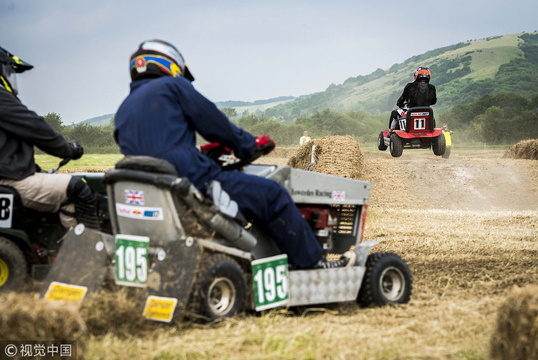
(156, 58)
(423, 73)
(9, 66)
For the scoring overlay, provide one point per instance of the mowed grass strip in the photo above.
(88, 162)
(464, 265)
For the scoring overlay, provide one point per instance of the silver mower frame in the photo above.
(183, 230)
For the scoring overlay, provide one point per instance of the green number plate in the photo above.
(270, 276)
(132, 260)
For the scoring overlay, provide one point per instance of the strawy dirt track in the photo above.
(476, 181)
(468, 228)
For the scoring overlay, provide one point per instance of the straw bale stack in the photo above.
(516, 334)
(24, 317)
(333, 155)
(526, 149)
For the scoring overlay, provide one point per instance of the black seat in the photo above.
(147, 164)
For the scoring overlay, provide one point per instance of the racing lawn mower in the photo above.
(192, 255)
(30, 240)
(417, 131)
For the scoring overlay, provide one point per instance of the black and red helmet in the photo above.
(9, 66)
(156, 58)
(422, 73)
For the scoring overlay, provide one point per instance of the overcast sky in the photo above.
(237, 50)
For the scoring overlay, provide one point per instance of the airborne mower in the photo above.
(416, 131)
(192, 255)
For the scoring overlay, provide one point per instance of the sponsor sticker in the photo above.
(419, 114)
(65, 292)
(139, 212)
(160, 308)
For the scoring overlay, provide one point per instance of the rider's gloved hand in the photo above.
(264, 144)
(207, 148)
(215, 150)
(77, 150)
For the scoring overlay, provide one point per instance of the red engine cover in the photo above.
(327, 217)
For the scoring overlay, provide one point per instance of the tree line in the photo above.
(94, 139)
(498, 119)
(505, 118)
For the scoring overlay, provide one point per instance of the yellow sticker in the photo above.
(160, 308)
(4, 272)
(65, 292)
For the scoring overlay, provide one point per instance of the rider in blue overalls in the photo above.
(160, 118)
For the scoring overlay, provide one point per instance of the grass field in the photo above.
(466, 256)
(89, 162)
(461, 275)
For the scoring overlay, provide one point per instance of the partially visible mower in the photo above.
(192, 254)
(416, 131)
(30, 240)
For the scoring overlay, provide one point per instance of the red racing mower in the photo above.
(417, 131)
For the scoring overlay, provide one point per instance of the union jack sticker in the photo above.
(339, 195)
(134, 197)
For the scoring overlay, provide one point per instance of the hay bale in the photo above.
(118, 312)
(526, 149)
(516, 335)
(333, 155)
(24, 317)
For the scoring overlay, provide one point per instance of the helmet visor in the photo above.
(8, 74)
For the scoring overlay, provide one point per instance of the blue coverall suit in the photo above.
(160, 118)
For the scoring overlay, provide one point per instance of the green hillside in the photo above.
(462, 73)
(103, 120)
(254, 107)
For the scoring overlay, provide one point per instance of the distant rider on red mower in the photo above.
(418, 93)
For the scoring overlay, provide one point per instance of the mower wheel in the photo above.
(446, 155)
(13, 266)
(396, 145)
(381, 142)
(220, 290)
(439, 145)
(387, 281)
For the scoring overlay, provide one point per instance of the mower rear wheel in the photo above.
(387, 281)
(439, 145)
(13, 266)
(381, 142)
(220, 289)
(396, 145)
